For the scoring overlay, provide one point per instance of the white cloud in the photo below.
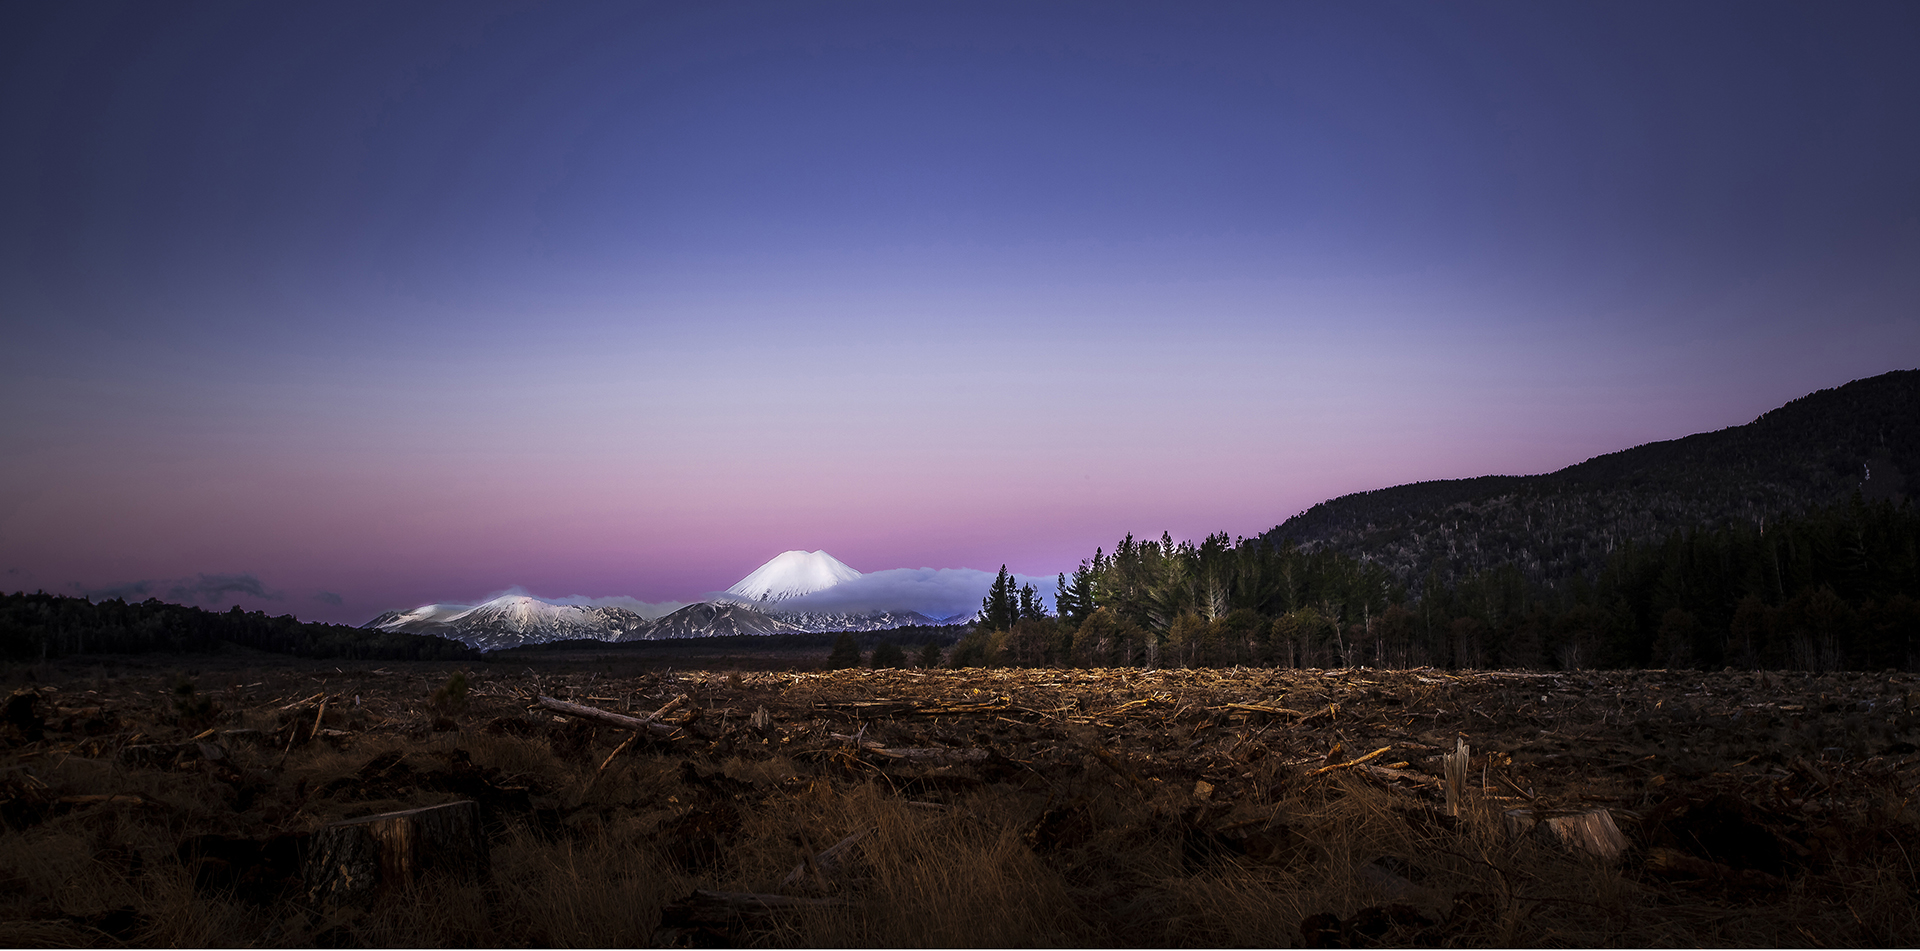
(940, 593)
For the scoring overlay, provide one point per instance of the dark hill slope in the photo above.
(1819, 449)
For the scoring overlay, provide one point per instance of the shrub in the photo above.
(846, 652)
(974, 650)
(888, 654)
(452, 695)
(191, 710)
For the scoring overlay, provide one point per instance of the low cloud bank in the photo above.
(200, 589)
(941, 593)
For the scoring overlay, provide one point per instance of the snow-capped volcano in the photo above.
(515, 619)
(791, 574)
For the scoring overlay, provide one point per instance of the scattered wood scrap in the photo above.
(1376, 754)
(647, 724)
(825, 865)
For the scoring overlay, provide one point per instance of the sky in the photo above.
(331, 309)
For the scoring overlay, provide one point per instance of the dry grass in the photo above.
(1117, 808)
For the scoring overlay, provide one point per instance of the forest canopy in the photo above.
(41, 625)
(1837, 587)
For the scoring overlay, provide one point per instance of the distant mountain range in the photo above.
(752, 606)
(514, 620)
(1862, 437)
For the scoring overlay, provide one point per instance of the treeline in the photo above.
(40, 625)
(1219, 602)
(1835, 588)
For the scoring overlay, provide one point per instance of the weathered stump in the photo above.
(1456, 767)
(356, 858)
(1592, 832)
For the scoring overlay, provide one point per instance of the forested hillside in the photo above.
(1818, 450)
(41, 625)
(1837, 587)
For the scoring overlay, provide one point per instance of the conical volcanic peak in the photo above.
(791, 574)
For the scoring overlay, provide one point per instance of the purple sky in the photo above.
(332, 308)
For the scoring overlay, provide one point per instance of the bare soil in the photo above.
(973, 807)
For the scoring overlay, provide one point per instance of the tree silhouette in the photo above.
(846, 652)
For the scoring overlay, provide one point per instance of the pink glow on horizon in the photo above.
(617, 299)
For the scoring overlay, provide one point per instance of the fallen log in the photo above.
(622, 748)
(877, 707)
(1404, 775)
(1263, 708)
(301, 703)
(94, 799)
(668, 707)
(354, 859)
(585, 712)
(170, 755)
(933, 755)
(925, 755)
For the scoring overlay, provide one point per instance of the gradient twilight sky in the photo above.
(332, 308)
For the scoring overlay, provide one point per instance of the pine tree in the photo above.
(1064, 603)
(888, 654)
(846, 652)
(1001, 607)
(1031, 607)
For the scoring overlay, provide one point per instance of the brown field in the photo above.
(975, 808)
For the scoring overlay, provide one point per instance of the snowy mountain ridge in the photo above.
(751, 606)
(515, 619)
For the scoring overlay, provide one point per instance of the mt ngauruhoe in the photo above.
(791, 574)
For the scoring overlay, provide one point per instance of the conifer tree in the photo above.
(888, 654)
(1065, 603)
(1001, 607)
(846, 652)
(1031, 607)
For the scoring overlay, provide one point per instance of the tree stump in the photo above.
(359, 857)
(1592, 832)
